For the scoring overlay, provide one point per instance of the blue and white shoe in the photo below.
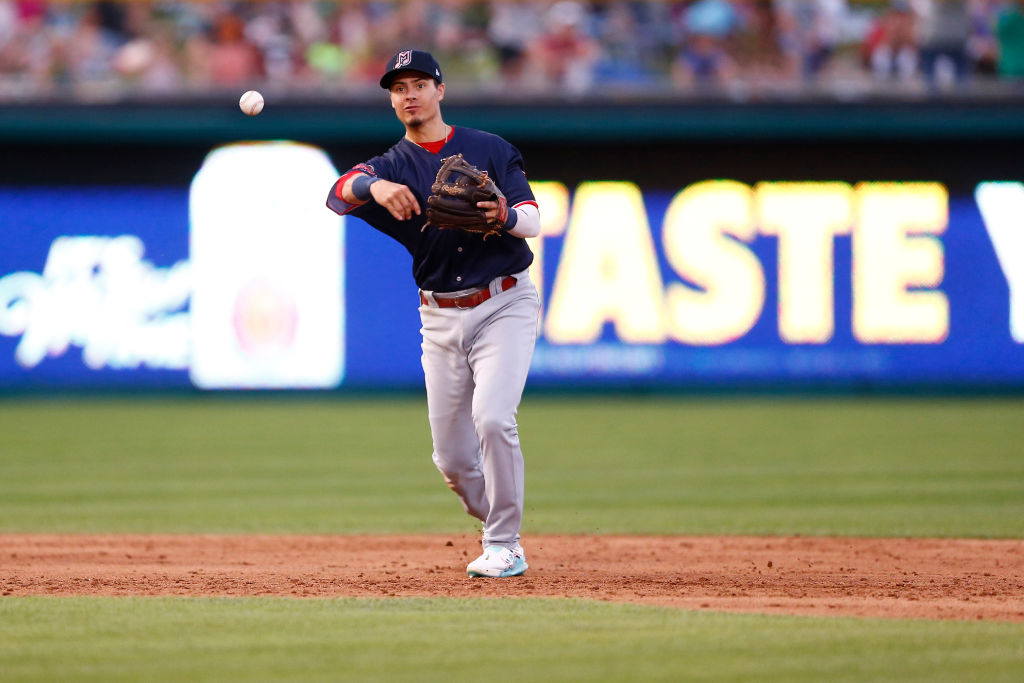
(499, 562)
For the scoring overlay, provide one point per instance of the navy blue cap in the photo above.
(411, 60)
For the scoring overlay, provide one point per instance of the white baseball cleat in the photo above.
(499, 562)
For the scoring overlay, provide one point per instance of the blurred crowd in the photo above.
(511, 48)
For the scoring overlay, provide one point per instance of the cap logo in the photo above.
(403, 59)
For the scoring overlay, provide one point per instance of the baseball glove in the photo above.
(456, 190)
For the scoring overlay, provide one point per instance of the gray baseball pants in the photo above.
(475, 363)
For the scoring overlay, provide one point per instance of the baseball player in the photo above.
(478, 307)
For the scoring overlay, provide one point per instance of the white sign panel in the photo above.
(267, 269)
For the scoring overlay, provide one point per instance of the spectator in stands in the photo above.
(147, 61)
(944, 28)
(512, 25)
(353, 26)
(818, 29)
(8, 20)
(89, 53)
(413, 23)
(627, 50)
(277, 34)
(767, 48)
(163, 73)
(459, 40)
(564, 55)
(1010, 33)
(26, 51)
(196, 58)
(234, 62)
(703, 63)
(982, 45)
(326, 58)
(891, 46)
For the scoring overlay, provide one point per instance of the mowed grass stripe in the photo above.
(200, 639)
(846, 466)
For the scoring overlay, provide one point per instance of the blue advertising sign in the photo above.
(246, 281)
(94, 287)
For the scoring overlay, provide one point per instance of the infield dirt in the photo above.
(869, 577)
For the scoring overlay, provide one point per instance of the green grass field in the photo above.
(110, 639)
(884, 467)
(847, 467)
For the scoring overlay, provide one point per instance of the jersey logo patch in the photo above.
(403, 58)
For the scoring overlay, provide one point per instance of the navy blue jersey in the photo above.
(447, 260)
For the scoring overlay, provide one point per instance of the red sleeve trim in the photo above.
(528, 201)
(335, 201)
(344, 179)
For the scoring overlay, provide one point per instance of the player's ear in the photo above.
(440, 91)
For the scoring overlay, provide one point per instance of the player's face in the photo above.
(416, 99)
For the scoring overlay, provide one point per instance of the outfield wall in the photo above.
(714, 255)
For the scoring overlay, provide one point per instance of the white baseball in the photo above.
(251, 102)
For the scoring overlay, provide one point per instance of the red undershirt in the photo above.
(435, 147)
